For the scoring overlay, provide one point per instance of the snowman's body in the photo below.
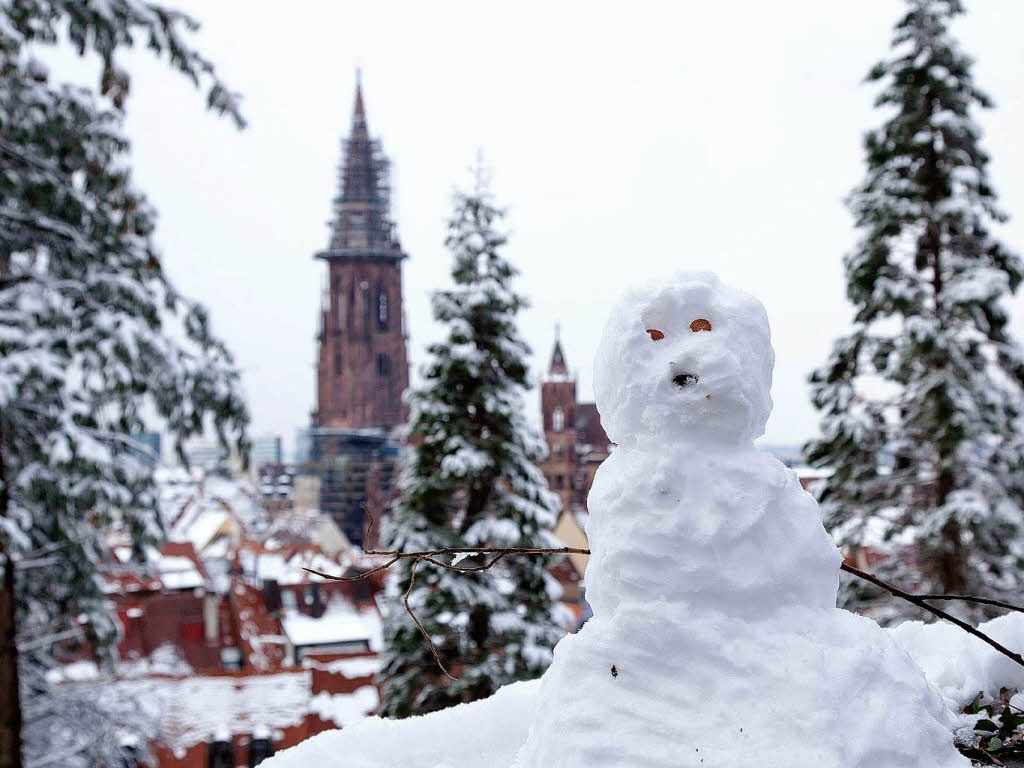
(715, 639)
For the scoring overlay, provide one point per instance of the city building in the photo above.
(577, 445)
(575, 438)
(362, 368)
(205, 454)
(236, 648)
(265, 450)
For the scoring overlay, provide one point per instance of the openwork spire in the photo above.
(362, 215)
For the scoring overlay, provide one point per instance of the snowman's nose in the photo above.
(685, 380)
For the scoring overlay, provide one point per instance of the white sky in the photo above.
(626, 140)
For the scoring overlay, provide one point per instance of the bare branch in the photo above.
(920, 602)
(972, 599)
(423, 630)
(431, 555)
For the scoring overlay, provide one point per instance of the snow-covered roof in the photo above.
(191, 710)
(359, 666)
(177, 566)
(286, 568)
(340, 623)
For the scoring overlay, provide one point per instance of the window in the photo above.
(559, 481)
(221, 754)
(364, 295)
(382, 309)
(259, 750)
(231, 658)
(288, 600)
(337, 362)
(383, 366)
(557, 420)
(192, 631)
(339, 300)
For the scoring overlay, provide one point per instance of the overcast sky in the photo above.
(626, 140)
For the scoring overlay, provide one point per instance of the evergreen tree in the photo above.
(471, 480)
(922, 401)
(93, 340)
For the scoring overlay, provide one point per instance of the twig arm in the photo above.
(432, 555)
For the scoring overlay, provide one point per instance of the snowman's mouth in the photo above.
(684, 380)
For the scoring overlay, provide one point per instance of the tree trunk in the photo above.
(952, 565)
(10, 698)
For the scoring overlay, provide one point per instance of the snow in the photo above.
(344, 709)
(286, 568)
(733, 363)
(361, 666)
(960, 665)
(177, 572)
(229, 704)
(712, 580)
(340, 623)
(715, 638)
(483, 734)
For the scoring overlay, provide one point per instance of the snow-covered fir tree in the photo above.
(96, 346)
(471, 480)
(922, 401)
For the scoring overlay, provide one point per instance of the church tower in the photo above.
(361, 368)
(361, 363)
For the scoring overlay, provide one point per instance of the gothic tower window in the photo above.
(382, 309)
(557, 420)
(383, 366)
(364, 295)
(337, 362)
(339, 299)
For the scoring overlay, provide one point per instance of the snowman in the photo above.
(715, 639)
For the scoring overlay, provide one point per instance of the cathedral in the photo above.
(362, 367)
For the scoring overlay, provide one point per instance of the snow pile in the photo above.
(485, 734)
(715, 638)
(961, 666)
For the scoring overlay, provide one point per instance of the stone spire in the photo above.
(557, 367)
(362, 209)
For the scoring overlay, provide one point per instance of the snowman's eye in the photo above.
(656, 335)
(700, 324)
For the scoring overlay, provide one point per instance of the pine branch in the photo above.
(430, 556)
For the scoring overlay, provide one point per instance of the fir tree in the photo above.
(93, 340)
(471, 480)
(922, 401)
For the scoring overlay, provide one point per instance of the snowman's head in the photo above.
(685, 359)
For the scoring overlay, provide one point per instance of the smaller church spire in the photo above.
(557, 366)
